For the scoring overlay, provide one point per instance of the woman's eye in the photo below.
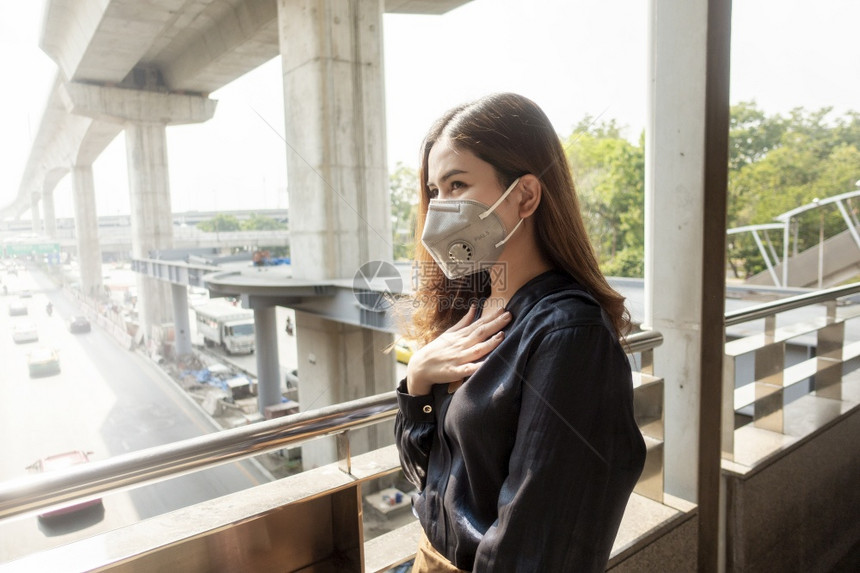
(457, 185)
(433, 193)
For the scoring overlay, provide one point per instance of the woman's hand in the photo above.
(453, 355)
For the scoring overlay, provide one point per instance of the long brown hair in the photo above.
(511, 133)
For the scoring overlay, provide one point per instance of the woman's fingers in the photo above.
(488, 326)
(467, 318)
(477, 352)
(457, 353)
(485, 347)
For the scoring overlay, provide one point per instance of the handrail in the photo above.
(791, 303)
(88, 481)
(155, 464)
(642, 341)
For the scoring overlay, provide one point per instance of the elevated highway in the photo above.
(184, 49)
(137, 67)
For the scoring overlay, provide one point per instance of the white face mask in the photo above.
(465, 236)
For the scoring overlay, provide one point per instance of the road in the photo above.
(106, 400)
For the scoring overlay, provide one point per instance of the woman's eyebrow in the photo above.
(448, 175)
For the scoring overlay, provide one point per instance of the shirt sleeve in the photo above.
(414, 428)
(576, 458)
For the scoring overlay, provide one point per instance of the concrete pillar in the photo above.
(36, 215)
(145, 112)
(49, 213)
(266, 348)
(151, 219)
(331, 52)
(87, 230)
(181, 324)
(330, 352)
(686, 146)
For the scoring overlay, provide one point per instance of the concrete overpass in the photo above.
(119, 48)
(132, 67)
(124, 66)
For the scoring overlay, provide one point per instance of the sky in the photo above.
(573, 57)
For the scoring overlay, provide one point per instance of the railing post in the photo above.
(344, 458)
(831, 339)
(647, 362)
(831, 311)
(769, 327)
(728, 413)
(769, 367)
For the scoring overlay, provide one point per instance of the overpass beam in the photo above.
(49, 213)
(87, 231)
(334, 108)
(35, 213)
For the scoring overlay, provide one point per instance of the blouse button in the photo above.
(427, 409)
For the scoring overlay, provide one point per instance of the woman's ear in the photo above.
(530, 194)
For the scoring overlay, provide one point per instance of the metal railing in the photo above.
(89, 481)
(769, 309)
(764, 394)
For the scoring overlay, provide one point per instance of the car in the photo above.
(403, 350)
(17, 308)
(24, 331)
(25, 294)
(43, 361)
(79, 324)
(59, 462)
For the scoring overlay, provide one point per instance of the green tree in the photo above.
(778, 163)
(257, 222)
(403, 186)
(219, 223)
(751, 134)
(609, 173)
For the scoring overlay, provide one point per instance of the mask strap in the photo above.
(486, 213)
(511, 234)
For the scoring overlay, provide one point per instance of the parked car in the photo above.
(24, 331)
(79, 324)
(43, 361)
(59, 462)
(403, 351)
(17, 308)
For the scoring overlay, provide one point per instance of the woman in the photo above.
(516, 418)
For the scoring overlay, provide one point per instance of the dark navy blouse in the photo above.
(529, 464)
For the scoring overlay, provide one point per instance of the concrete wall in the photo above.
(674, 548)
(800, 511)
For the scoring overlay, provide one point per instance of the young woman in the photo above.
(516, 418)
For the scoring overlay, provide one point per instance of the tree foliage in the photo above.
(778, 163)
(220, 223)
(403, 186)
(609, 174)
(257, 222)
(223, 222)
